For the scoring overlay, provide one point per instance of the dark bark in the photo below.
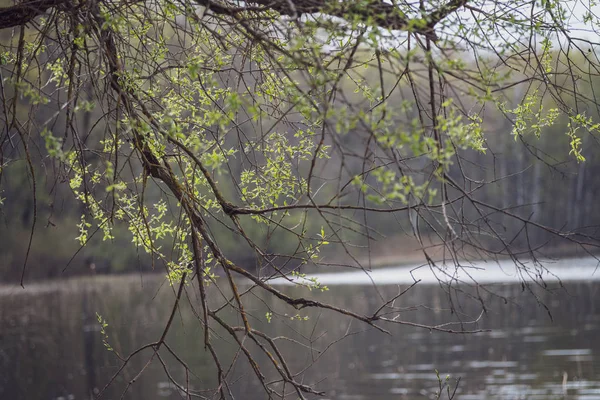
(374, 12)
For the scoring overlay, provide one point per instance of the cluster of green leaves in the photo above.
(309, 282)
(103, 325)
(529, 116)
(274, 181)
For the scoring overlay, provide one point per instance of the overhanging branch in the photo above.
(374, 12)
(23, 13)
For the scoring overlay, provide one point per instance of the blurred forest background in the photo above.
(533, 176)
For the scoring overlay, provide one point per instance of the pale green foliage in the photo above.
(93, 205)
(176, 272)
(53, 144)
(465, 135)
(57, 69)
(392, 187)
(83, 227)
(298, 317)
(575, 123)
(546, 58)
(273, 181)
(309, 282)
(530, 116)
(147, 226)
(32, 94)
(103, 332)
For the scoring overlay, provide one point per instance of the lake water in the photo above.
(51, 346)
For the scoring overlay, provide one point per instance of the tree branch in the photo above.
(23, 13)
(373, 12)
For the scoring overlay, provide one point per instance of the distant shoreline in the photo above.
(571, 268)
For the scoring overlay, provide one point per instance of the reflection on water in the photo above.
(51, 346)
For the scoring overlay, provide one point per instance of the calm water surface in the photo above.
(51, 346)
